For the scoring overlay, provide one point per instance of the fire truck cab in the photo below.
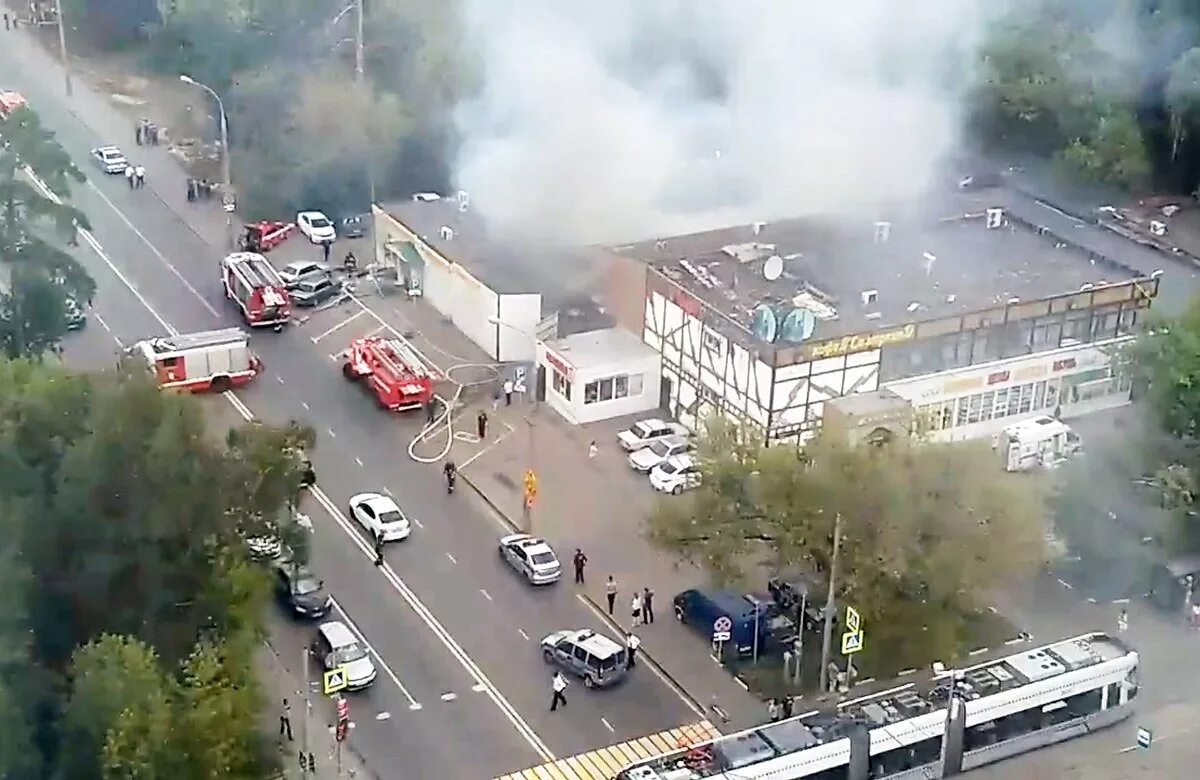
(250, 281)
(9, 102)
(215, 360)
(392, 370)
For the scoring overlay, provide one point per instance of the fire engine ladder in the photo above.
(404, 353)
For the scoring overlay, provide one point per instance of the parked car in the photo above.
(675, 475)
(532, 557)
(380, 516)
(314, 290)
(265, 547)
(109, 159)
(76, 316)
(316, 226)
(644, 432)
(293, 272)
(336, 646)
(755, 624)
(659, 451)
(354, 226)
(300, 592)
(597, 659)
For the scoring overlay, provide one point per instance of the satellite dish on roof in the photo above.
(773, 268)
(765, 323)
(798, 326)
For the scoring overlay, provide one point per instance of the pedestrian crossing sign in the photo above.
(852, 642)
(335, 680)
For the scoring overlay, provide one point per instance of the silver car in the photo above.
(597, 659)
(532, 557)
(335, 646)
(659, 451)
(109, 159)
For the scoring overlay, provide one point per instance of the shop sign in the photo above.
(560, 365)
(998, 376)
(1064, 364)
(862, 342)
(959, 385)
(1032, 372)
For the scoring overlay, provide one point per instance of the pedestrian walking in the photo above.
(632, 643)
(508, 391)
(153, 128)
(139, 176)
(379, 549)
(481, 425)
(773, 709)
(1196, 615)
(191, 189)
(635, 608)
(325, 249)
(559, 685)
(788, 706)
(1123, 621)
(285, 721)
(129, 176)
(610, 593)
(648, 605)
(495, 398)
(138, 133)
(580, 560)
(592, 449)
(6, 22)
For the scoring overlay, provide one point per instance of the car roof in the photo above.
(675, 438)
(311, 214)
(683, 460)
(529, 543)
(304, 264)
(653, 422)
(380, 502)
(337, 633)
(596, 644)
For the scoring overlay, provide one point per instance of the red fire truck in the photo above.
(215, 360)
(392, 370)
(254, 285)
(10, 102)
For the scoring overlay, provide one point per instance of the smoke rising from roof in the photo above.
(622, 120)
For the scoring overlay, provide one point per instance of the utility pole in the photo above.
(360, 75)
(830, 605)
(227, 199)
(62, 44)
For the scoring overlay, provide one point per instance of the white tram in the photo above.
(935, 728)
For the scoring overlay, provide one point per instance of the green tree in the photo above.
(1183, 97)
(1114, 153)
(924, 527)
(33, 226)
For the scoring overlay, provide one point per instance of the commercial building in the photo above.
(976, 317)
(599, 375)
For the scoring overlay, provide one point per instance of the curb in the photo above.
(646, 657)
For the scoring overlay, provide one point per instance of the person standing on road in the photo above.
(481, 425)
(129, 175)
(580, 560)
(788, 706)
(379, 549)
(559, 685)
(592, 449)
(610, 593)
(285, 721)
(648, 605)
(632, 643)
(635, 608)
(325, 247)
(139, 176)
(508, 391)
(1123, 621)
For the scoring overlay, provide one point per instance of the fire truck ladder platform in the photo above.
(255, 269)
(604, 763)
(413, 364)
(206, 338)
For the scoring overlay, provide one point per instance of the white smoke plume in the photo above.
(629, 119)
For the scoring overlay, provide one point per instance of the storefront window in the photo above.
(560, 384)
(610, 388)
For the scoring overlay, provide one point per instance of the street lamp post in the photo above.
(227, 183)
(62, 44)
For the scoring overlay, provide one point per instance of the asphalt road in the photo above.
(463, 691)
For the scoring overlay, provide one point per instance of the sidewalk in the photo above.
(279, 683)
(600, 506)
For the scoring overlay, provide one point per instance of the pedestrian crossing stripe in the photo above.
(604, 763)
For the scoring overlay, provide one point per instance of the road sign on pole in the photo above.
(722, 632)
(722, 625)
(335, 680)
(853, 621)
(343, 709)
(720, 636)
(852, 642)
(1144, 738)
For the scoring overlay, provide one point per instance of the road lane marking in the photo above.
(154, 249)
(451, 557)
(332, 435)
(358, 461)
(478, 688)
(449, 696)
(653, 667)
(111, 332)
(608, 725)
(521, 631)
(497, 440)
(506, 708)
(305, 405)
(383, 716)
(338, 327)
(486, 595)
(371, 649)
(415, 520)
(279, 379)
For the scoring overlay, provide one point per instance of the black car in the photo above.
(353, 226)
(314, 290)
(301, 592)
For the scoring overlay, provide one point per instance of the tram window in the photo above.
(1114, 694)
(836, 773)
(905, 758)
(1084, 703)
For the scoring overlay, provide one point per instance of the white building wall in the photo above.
(521, 314)
(576, 409)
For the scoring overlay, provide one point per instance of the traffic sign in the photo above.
(343, 709)
(339, 733)
(335, 680)
(853, 621)
(722, 625)
(852, 642)
(720, 636)
(1144, 738)
(228, 203)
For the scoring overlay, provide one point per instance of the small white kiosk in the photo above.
(600, 375)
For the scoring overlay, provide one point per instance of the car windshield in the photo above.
(669, 468)
(299, 269)
(312, 286)
(660, 448)
(320, 222)
(387, 518)
(349, 653)
(610, 663)
(305, 586)
(544, 558)
(642, 430)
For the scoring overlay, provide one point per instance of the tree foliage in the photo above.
(129, 581)
(926, 529)
(39, 274)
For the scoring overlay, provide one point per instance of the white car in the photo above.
(658, 452)
(292, 273)
(677, 474)
(317, 227)
(109, 159)
(532, 557)
(644, 432)
(380, 516)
